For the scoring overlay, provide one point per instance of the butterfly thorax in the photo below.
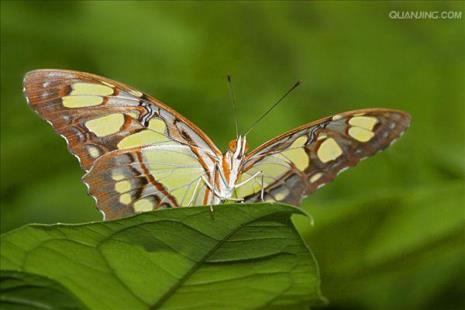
(229, 168)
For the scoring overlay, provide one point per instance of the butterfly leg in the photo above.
(220, 172)
(234, 199)
(213, 191)
(248, 180)
(194, 194)
(210, 187)
(262, 185)
(262, 190)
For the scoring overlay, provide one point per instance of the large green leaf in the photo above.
(239, 257)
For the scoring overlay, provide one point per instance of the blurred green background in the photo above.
(388, 234)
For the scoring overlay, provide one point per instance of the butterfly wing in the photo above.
(145, 178)
(302, 160)
(138, 153)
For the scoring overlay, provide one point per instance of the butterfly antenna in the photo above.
(273, 106)
(233, 102)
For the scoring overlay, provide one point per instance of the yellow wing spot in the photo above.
(365, 122)
(296, 153)
(135, 93)
(81, 101)
(125, 199)
(106, 125)
(143, 205)
(282, 194)
(322, 136)
(91, 89)
(144, 137)
(299, 142)
(315, 177)
(157, 125)
(123, 186)
(360, 134)
(115, 175)
(329, 150)
(336, 117)
(298, 157)
(93, 151)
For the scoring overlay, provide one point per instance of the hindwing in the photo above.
(151, 177)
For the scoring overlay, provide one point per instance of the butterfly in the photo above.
(140, 155)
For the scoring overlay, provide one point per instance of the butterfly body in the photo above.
(228, 170)
(140, 155)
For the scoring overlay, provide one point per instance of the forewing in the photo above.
(302, 160)
(96, 115)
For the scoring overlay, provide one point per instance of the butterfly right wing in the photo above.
(299, 162)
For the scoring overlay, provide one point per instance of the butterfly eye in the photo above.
(232, 145)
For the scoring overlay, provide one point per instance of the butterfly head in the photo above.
(238, 147)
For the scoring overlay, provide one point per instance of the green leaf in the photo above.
(20, 290)
(239, 257)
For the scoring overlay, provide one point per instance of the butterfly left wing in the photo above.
(295, 164)
(138, 153)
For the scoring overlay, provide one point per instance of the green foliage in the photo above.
(381, 228)
(173, 258)
(394, 242)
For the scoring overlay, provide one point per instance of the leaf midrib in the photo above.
(196, 266)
